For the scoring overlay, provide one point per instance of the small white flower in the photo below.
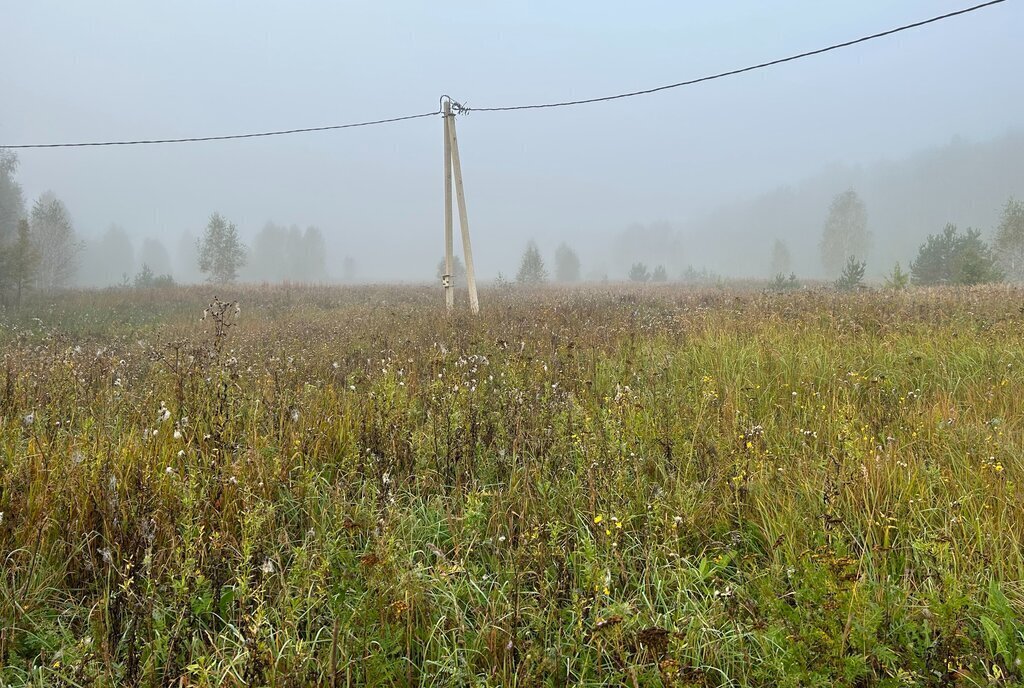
(181, 453)
(169, 470)
(177, 434)
(295, 415)
(29, 419)
(267, 567)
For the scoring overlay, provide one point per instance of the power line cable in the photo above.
(462, 108)
(227, 137)
(742, 70)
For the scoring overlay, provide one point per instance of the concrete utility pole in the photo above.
(446, 279)
(455, 166)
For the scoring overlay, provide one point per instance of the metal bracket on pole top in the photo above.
(456, 108)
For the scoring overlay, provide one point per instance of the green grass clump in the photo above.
(636, 486)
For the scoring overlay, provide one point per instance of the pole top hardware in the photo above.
(457, 108)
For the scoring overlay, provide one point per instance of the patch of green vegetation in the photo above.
(601, 486)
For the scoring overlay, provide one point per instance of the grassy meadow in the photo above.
(626, 485)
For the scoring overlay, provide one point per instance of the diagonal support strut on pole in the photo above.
(453, 167)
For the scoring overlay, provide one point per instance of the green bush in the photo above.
(852, 276)
(955, 258)
(898, 279)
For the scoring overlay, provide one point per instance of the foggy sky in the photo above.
(116, 70)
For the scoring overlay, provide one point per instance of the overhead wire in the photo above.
(461, 108)
(742, 70)
(227, 137)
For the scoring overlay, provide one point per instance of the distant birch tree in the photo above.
(531, 267)
(567, 264)
(845, 235)
(1009, 240)
(22, 262)
(53, 237)
(782, 261)
(221, 253)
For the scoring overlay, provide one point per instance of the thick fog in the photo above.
(927, 127)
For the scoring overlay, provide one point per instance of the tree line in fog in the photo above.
(41, 248)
